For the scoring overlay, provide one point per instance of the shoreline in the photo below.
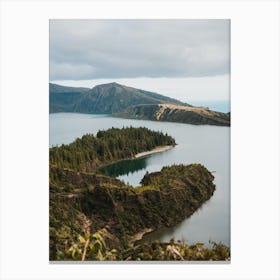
(158, 149)
(154, 151)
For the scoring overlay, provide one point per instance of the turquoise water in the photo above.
(208, 145)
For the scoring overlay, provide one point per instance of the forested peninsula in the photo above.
(98, 217)
(89, 152)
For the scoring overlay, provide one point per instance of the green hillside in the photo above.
(102, 99)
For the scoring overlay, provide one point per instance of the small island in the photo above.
(97, 217)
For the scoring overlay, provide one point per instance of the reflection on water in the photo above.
(208, 145)
(183, 231)
(125, 167)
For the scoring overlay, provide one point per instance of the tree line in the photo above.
(89, 152)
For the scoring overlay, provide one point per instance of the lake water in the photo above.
(208, 145)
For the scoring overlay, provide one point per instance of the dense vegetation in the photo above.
(89, 152)
(93, 247)
(180, 250)
(102, 99)
(81, 202)
(97, 217)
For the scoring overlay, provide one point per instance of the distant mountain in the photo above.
(63, 99)
(128, 102)
(102, 99)
(176, 113)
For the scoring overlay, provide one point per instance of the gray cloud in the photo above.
(91, 49)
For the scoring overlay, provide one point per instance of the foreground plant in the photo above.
(91, 247)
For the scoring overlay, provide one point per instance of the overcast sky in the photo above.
(175, 56)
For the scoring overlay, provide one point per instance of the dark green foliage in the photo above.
(124, 167)
(89, 152)
(104, 203)
(97, 217)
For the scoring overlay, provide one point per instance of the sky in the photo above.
(184, 59)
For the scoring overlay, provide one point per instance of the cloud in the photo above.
(96, 49)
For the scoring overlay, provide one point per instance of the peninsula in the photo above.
(97, 217)
(127, 102)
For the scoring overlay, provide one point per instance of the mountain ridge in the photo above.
(102, 99)
(128, 102)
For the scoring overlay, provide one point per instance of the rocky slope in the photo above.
(176, 113)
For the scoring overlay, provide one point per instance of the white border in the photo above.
(255, 138)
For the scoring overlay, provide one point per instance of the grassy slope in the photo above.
(102, 99)
(81, 202)
(176, 113)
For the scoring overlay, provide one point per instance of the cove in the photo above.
(208, 145)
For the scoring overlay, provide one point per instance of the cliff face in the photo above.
(176, 113)
(80, 201)
(128, 102)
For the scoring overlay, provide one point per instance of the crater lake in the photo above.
(208, 145)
